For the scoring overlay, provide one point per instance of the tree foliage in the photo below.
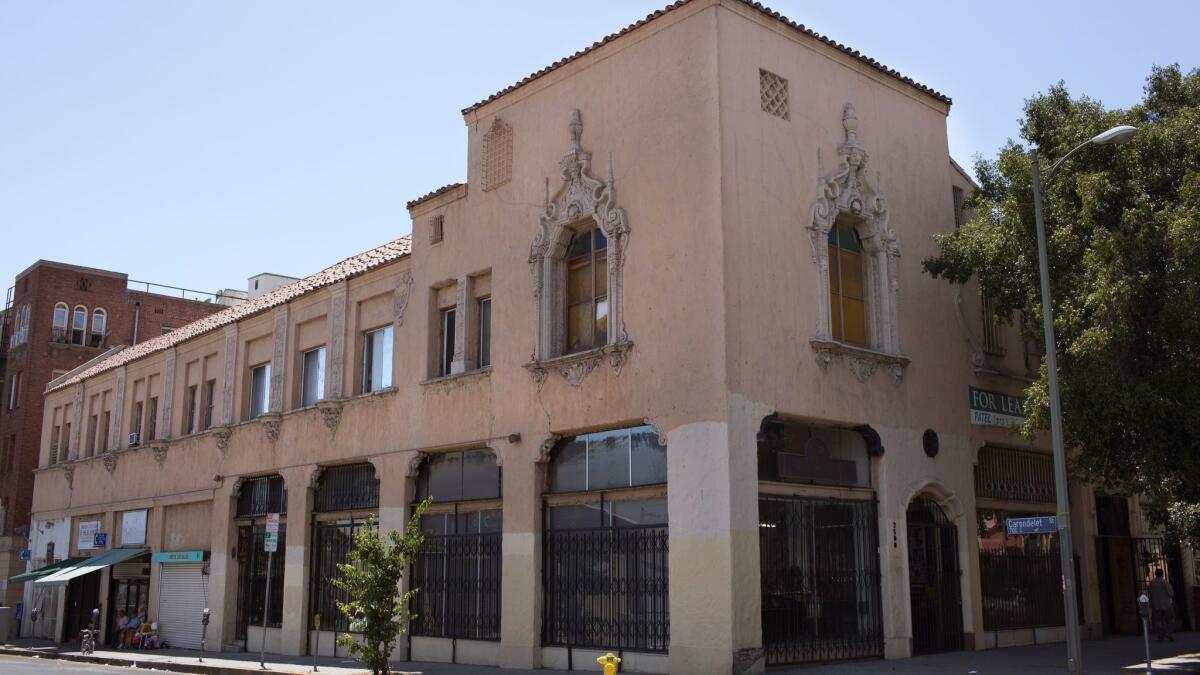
(376, 608)
(1123, 225)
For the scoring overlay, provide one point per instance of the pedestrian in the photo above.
(1162, 605)
(132, 626)
(118, 634)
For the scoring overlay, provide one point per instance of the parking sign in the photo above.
(271, 537)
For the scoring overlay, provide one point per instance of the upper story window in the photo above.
(190, 408)
(447, 321)
(312, 380)
(587, 291)
(577, 258)
(847, 301)
(260, 389)
(956, 193)
(484, 357)
(377, 359)
(20, 327)
(99, 326)
(208, 395)
(152, 418)
(78, 324)
(59, 325)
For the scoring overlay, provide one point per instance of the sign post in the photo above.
(270, 545)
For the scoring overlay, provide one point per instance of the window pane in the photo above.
(648, 457)
(436, 523)
(608, 460)
(835, 315)
(580, 245)
(855, 321)
(835, 285)
(579, 282)
(260, 390)
(579, 327)
(600, 337)
(568, 468)
(601, 275)
(98, 322)
(377, 360)
(60, 316)
(574, 516)
(639, 512)
(480, 475)
(490, 521)
(852, 275)
(314, 376)
(442, 476)
(601, 240)
(447, 342)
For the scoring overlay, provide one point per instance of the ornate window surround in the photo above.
(848, 195)
(581, 203)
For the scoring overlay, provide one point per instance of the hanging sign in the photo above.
(994, 409)
(271, 536)
(1032, 525)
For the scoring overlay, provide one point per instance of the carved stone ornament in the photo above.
(69, 474)
(314, 478)
(658, 431)
(849, 196)
(331, 414)
(414, 465)
(160, 452)
(864, 363)
(271, 423)
(236, 490)
(542, 454)
(582, 202)
(862, 368)
(574, 368)
(222, 435)
(110, 461)
(539, 375)
(400, 301)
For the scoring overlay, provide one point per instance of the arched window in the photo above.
(606, 542)
(847, 297)
(78, 324)
(60, 321)
(99, 326)
(587, 291)
(458, 572)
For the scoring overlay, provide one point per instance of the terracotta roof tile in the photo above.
(430, 195)
(757, 6)
(346, 269)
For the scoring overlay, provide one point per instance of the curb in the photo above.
(170, 666)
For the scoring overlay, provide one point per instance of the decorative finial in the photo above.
(576, 128)
(850, 123)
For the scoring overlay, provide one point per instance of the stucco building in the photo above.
(58, 317)
(667, 362)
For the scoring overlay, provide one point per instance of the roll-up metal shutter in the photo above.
(182, 597)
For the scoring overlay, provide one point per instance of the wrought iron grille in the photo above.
(1004, 473)
(344, 488)
(260, 496)
(933, 578)
(820, 579)
(459, 580)
(331, 546)
(1023, 590)
(252, 579)
(607, 588)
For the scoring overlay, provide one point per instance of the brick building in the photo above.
(58, 317)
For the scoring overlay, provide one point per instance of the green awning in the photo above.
(43, 571)
(88, 565)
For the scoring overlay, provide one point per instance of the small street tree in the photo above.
(376, 608)
(1123, 229)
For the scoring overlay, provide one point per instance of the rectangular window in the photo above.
(210, 393)
(312, 384)
(54, 436)
(135, 422)
(1019, 575)
(152, 419)
(446, 344)
(992, 342)
(377, 359)
(957, 195)
(93, 422)
(189, 410)
(458, 573)
(252, 578)
(103, 440)
(260, 390)
(66, 442)
(485, 333)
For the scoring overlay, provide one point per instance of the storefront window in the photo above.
(252, 578)
(1019, 575)
(793, 452)
(346, 497)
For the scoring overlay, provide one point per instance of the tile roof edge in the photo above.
(929, 91)
(392, 251)
(434, 193)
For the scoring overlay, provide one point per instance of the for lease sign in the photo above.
(994, 409)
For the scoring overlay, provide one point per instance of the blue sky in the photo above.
(196, 143)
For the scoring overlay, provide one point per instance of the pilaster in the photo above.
(168, 395)
(222, 568)
(76, 422)
(117, 440)
(521, 565)
(230, 378)
(462, 327)
(336, 364)
(293, 639)
(396, 495)
(279, 358)
(154, 540)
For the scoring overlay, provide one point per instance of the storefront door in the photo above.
(933, 578)
(129, 595)
(83, 595)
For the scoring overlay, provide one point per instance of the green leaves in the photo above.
(377, 609)
(1123, 226)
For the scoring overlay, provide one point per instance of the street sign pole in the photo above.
(270, 544)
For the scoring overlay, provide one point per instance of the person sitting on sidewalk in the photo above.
(131, 627)
(118, 633)
(1162, 604)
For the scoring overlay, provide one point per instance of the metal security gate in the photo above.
(933, 578)
(182, 597)
(819, 563)
(459, 578)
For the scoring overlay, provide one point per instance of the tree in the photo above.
(376, 607)
(1123, 227)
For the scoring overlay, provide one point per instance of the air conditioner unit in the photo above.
(133, 439)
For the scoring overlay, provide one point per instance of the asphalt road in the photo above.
(21, 665)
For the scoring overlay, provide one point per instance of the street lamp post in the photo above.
(1115, 135)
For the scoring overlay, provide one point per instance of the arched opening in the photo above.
(847, 288)
(99, 327)
(59, 326)
(459, 569)
(256, 497)
(78, 324)
(587, 291)
(933, 577)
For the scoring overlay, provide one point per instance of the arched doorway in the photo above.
(933, 578)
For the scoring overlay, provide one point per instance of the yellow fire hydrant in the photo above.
(609, 661)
